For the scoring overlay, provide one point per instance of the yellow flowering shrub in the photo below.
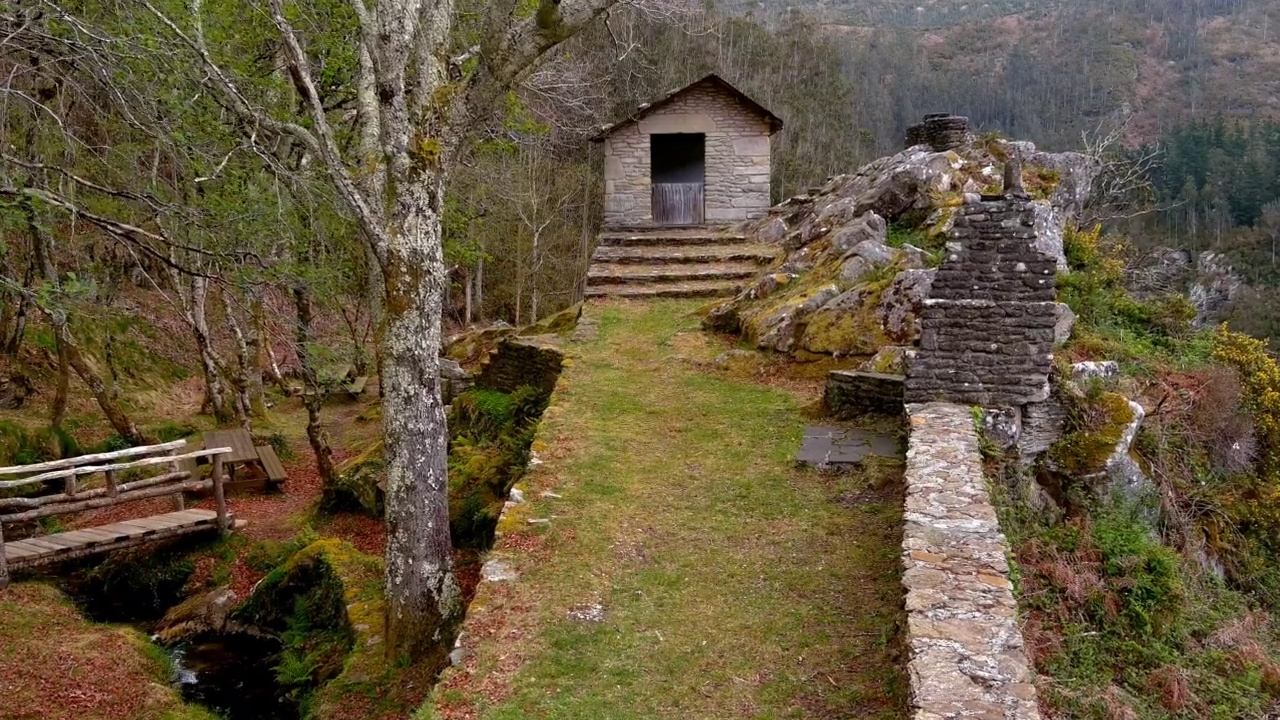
(1253, 502)
(1260, 379)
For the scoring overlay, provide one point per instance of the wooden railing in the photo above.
(179, 477)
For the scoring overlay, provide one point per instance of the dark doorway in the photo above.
(678, 164)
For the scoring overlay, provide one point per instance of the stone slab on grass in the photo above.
(833, 446)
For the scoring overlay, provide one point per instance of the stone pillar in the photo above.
(987, 329)
(940, 131)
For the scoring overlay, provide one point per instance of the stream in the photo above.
(233, 675)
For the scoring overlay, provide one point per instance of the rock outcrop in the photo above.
(859, 255)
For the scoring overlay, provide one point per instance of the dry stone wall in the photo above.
(987, 329)
(852, 393)
(737, 157)
(967, 654)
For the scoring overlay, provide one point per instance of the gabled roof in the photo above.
(775, 122)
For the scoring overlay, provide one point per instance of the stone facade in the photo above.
(967, 656)
(849, 394)
(738, 144)
(987, 329)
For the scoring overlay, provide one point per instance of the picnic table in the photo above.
(259, 465)
(333, 380)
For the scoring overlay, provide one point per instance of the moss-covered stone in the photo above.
(1098, 424)
(323, 602)
(560, 323)
(844, 332)
(359, 485)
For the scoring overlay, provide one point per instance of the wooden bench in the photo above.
(271, 464)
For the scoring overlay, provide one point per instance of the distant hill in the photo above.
(1048, 68)
(920, 14)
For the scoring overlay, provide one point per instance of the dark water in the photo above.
(232, 675)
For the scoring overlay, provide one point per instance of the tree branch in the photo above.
(553, 23)
(369, 217)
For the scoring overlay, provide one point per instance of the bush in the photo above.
(21, 447)
(169, 430)
(1260, 379)
(1113, 324)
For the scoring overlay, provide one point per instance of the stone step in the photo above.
(670, 236)
(661, 254)
(625, 274)
(693, 289)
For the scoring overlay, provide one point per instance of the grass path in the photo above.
(731, 584)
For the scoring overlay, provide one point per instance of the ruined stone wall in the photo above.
(521, 362)
(987, 329)
(850, 393)
(967, 658)
(737, 158)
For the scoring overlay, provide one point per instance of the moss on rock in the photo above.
(322, 602)
(844, 332)
(1098, 422)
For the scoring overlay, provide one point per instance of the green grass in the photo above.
(734, 585)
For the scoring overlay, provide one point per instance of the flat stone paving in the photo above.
(831, 445)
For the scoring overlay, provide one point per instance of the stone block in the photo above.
(751, 145)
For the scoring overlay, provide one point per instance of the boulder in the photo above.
(1050, 225)
(453, 380)
(1159, 272)
(198, 615)
(888, 360)
(901, 302)
(773, 233)
(1043, 424)
(854, 269)
(911, 257)
(779, 329)
(1124, 477)
(1064, 323)
(869, 227)
(1215, 286)
(877, 253)
(1002, 426)
(1076, 174)
(1095, 370)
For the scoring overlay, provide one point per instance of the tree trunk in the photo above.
(424, 604)
(58, 409)
(14, 342)
(253, 368)
(466, 293)
(317, 436)
(480, 289)
(107, 399)
(264, 340)
(215, 394)
(245, 367)
(66, 342)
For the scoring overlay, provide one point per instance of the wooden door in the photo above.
(677, 203)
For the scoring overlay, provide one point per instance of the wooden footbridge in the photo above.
(91, 482)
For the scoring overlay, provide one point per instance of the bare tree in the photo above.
(1124, 187)
(414, 104)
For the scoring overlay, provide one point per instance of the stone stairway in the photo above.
(674, 262)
